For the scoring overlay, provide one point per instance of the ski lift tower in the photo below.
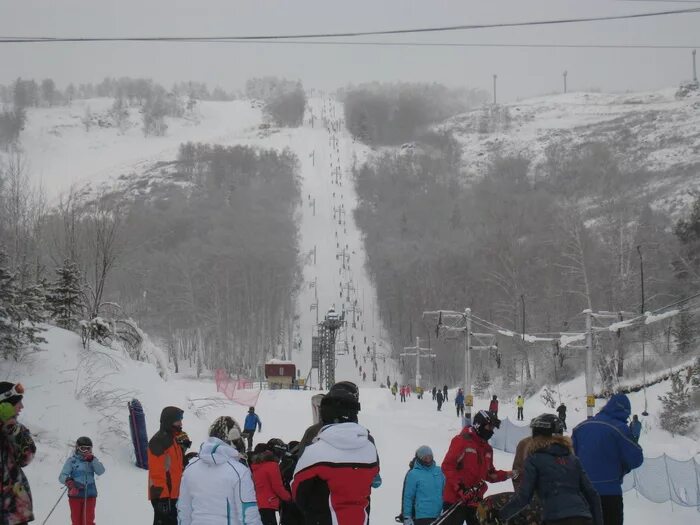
(327, 330)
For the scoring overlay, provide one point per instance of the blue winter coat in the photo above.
(422, 494)
(636, 430)
(459, 399)
(251, 421)
(605, 446)
(83, 474)
(556, 475)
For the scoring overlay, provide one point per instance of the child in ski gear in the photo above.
(17, 450)
(493, 406)
(267, 477)
(556, 475)
(334, 475)
(165, 466)
(217, 487)
(607, 452)
(468, 464)
(78, 474)
(635, 428)
(439, 398)
(561, 411)
(459, 402)
(422, 492)
(520, 403)
(252, 421)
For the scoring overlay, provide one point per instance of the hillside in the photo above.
(654, 131)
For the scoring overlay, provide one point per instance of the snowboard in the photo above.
(139, 437)
(530, 515)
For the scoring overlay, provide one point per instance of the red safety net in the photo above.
(239, 391)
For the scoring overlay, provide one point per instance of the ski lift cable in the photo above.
(464, 27)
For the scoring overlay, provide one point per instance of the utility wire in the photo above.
(465, 27)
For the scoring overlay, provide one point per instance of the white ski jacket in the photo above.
(217, 489)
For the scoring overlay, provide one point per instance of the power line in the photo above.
(465, 27)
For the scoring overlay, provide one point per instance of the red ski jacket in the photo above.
(493, 406)
(269, 489)
(469, 462)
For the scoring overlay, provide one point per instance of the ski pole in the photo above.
(55, 505)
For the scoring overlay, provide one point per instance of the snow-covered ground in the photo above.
(69, 391)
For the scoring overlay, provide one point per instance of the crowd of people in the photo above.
(327, 477)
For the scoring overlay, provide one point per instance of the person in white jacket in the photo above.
(216, 488)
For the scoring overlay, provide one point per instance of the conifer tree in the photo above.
(676, 416)
(65, 296)
(10, 334)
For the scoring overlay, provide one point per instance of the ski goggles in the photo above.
(85, 448)
(16, 390)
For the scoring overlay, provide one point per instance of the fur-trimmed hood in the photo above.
(555, 444)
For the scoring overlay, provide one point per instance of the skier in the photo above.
(267, 477)
(364, 376)
(439, 398)
(335, 474)
(467, 466)
(561, 411)
(17, 450)
(493, 406)
(636, 428)
(434, 392)
(444, 393)
(393, 391)
(607, 452)
(520, 403)
(251, 423)
(165, 466)
(403, 393)
(422, 492)
(217, 487)
(459, 402)
(556, 475)
(78, 474)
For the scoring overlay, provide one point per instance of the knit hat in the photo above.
(6, 386)
(226, 429)
(423, 452)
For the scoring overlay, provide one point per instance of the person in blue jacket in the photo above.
(556, 475)
(422, 494)
(607, 452)
(78, 474)
(251, 423)
(636, 428)
(459, 402)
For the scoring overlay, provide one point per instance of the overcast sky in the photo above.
(521, 72)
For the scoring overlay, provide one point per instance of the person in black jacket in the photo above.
(556, 475)
(561, 410)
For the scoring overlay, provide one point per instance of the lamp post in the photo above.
(644, 367)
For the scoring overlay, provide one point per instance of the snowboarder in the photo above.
(78, 474)
(467, 466)
(335, 474)
(556, 475)
(251, 423)
(520, 403)
(17, 450)
(165, 466)
(218, 487)
(607, 452)
(440, 399)
(444, 393)
(493, 406)
(267, 477)
(635, 428)
(459, 402)
(422, 492)
(561, 411)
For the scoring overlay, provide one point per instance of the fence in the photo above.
(659, 479)
(239, 391)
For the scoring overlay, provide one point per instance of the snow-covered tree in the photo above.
(676, 415)
(482, 383)
(65, 296)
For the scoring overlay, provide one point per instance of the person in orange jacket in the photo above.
(165, 466)
(467, 466)
(269, 489)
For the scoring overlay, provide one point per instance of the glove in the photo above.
(88, 457)
(408, 521)
(73, 490)
(183, 440)
(377, 482)
(7, 412)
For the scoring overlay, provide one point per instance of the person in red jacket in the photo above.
(467, 466)
(269, 489)
(493, 406)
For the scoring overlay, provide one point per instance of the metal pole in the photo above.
(565, 73)
(644, 367)
(695, 71)
(417, 362)
(494, 89)
(590, 399)
(469, 400)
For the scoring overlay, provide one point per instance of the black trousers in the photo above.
(460, 515)
(249, 437)
(613, 510)
(268, 516)
(520, 413)
(424, 521)
(460, 410)
(164, 511)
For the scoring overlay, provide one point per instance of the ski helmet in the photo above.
(483, 424)
(277, 446)
(546, 425)
(341, 404)
(83, 441)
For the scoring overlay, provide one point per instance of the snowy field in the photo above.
(73, 392)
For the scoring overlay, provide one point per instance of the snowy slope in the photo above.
(57, 417)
